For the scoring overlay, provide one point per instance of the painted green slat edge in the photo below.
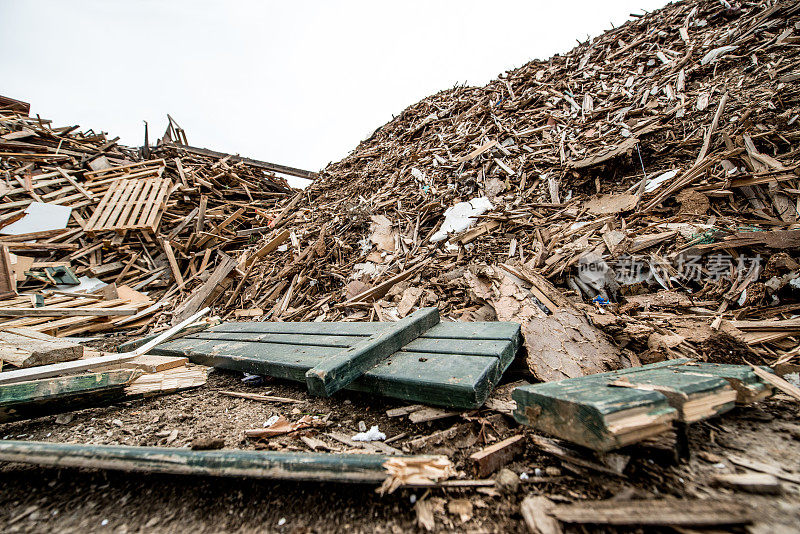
(339, 371)
(35, 398)
(353, 468)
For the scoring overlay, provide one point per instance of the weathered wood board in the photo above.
(54, 395)
(353, 468)
(25, 347)
(452, 364)
(610, 410)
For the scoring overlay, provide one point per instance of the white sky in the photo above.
(296, 83)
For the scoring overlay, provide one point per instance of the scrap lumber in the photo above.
(610, 410)
(198, 298)
(45, 396)
(495, 456)
(318, 467)
(24, 347)
(46, 371)
(659, 512)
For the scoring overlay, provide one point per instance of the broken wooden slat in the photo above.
(52, 395)
(666, 512)
(350, 468)
(495, 456)
(24, 347)
(595, 412)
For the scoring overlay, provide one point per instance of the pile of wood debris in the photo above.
(646, 180)
(645, 183)
(103, 237)
(631, 202)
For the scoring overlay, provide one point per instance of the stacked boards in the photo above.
(610, 410)
(418, 359)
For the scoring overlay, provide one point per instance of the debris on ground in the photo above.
(609, 239)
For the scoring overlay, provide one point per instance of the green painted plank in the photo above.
(35, 398)
(749, 387)
(329, 329)
(284, 339)
(588, 411)
(336, 372)
(441, 346)
(438, 379)
(310, 466)
(280, 361)
(444, 330)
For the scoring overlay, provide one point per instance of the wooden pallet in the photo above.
(132, 204)
(455, 365)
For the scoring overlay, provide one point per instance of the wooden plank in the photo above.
(173, 264)
(586, 411)
(46, 371)
(198, 299)
(53, 395)
(46, 311)
(350, 468)
(491, 458)
(340, 370)
(283, 169)
(8, 281)
(666, 512)
(23, 347)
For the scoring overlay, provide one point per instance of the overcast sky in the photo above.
(297, 83)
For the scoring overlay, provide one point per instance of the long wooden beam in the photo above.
(352, 468)
(274, 167)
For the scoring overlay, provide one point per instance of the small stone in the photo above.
(118, 422)
(507, 481)
(65, 418)
(362, 426)
(207, 444)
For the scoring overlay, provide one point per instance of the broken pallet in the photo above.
(610, 410)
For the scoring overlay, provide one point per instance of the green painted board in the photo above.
(452, 364)
(352, 468)
(591, 412)
(54, 395)
(338, 371)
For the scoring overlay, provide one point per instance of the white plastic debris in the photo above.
(461, 216)
(523, 476)
(793, 378)
(271, 421)
(654, 183)
(373, 434)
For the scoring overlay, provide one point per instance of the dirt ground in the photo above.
(34, 499)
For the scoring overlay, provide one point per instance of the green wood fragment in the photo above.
(53, 395)
(592, 412)
(453, 365)
(353, 468)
